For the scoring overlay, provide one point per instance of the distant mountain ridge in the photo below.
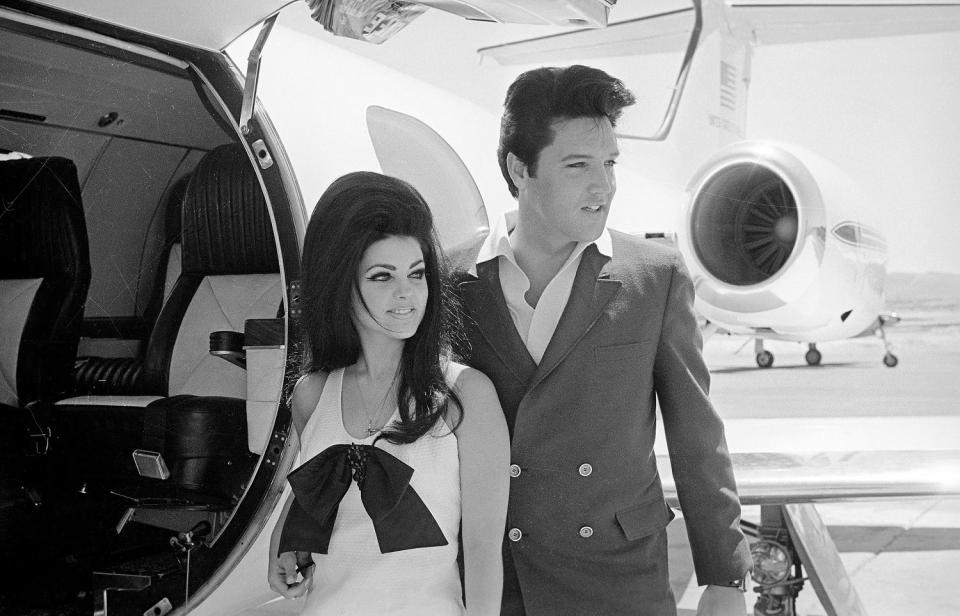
(926, 301)
(905, 286)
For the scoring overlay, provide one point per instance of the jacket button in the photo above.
(585, 470)
(515, 534)
(514, 470)
(586, 532)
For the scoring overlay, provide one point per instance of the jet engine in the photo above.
(777, 247)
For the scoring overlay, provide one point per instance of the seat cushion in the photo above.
(179, 362)
(203, 440)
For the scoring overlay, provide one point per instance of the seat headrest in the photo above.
(42, 229)
(226, 226)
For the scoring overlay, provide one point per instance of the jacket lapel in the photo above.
(592, 290)
(483, 298)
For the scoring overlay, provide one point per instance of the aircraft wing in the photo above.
(660, 33)
(776, 478)
(755, 21)
(780, 23)
(788, 487)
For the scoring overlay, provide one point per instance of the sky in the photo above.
(888, 111)
(883, 110)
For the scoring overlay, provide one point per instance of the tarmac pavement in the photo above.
(903, 555)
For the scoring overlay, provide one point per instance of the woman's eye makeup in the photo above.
(379, 276)
(383, 276)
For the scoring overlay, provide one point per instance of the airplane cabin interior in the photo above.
(139, 278)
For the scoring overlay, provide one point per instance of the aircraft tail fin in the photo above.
(412, 151)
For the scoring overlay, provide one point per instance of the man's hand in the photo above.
(722, 601)
(284, 570)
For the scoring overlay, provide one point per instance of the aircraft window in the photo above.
(860, 235)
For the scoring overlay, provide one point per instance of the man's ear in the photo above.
(517, 169)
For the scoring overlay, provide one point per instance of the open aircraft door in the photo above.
(145, 480)
(151, 488)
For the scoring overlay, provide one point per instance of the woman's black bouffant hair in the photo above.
(356, 211)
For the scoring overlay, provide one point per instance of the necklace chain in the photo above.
(371, 429)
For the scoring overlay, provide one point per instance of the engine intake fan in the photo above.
(744, 224)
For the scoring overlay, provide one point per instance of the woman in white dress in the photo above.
(405, 453)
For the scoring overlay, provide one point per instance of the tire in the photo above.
(764, 359)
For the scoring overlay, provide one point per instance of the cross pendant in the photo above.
(370, 429)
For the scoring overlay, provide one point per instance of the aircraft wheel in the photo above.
(764, 359)
(813, 357)
(890, 360)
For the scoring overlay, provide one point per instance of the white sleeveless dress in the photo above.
(354, 577)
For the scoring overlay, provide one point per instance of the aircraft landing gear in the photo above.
(764, 357)
(813, 355)
(791, 547)
(777, 571)
(889, 359)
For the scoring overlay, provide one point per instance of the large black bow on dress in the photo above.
(400, 518)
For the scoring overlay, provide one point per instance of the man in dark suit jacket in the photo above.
(582, 330)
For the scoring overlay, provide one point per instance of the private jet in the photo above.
(151, 225)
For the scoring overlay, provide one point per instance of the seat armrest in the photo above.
(229, 346)
(265, 332)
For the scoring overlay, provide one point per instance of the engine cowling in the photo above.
(768, 234)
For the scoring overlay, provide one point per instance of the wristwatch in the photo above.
(740, 584)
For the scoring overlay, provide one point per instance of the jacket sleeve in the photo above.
(695, 438)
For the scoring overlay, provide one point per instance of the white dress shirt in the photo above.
(535, 325)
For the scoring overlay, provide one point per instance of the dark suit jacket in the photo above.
(587, 516)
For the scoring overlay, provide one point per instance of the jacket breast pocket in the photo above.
(623, 352)
(644, 519)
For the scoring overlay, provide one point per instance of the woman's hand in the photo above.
(283, 570)
(286, 569)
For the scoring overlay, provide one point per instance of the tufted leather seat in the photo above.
(193, 407)
(44, 277)
(98, 375)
